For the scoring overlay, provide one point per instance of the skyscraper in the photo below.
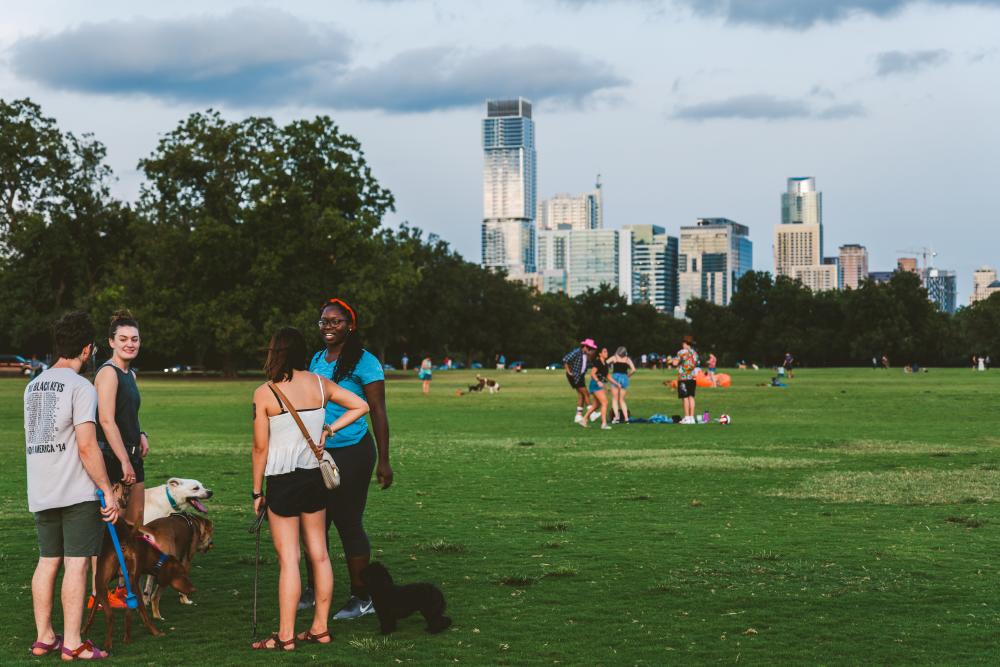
(942, 288)
(982, 278)
(509, 187)
(714, 253)
(566, 211)
(853, 265)
(654, 267)
(575, 260)
(798, 240)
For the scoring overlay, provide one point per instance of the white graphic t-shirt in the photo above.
(55, 403)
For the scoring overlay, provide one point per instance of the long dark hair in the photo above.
(351, 353)
(286, 353)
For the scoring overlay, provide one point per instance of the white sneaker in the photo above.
(605, 427)
(688, 420)
(578, 419)
(594, 416)
(615, 421)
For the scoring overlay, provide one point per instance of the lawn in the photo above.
(850, 518)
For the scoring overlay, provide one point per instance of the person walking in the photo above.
(686, 362)
(406, 361)
(425, 374)
(65, 469)
(789, 365)
(598, 396)
(295, 495)
(575, 363)
(622, 369)
(357, 370)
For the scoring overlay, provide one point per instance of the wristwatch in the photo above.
(254, 495)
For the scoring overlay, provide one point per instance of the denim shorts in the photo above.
(621, 378)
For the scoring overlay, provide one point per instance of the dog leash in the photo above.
(255, 527)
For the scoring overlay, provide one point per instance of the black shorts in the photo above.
(298, 492)
(114, 466)
(686, 388)
(576, 383)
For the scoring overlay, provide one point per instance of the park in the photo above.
(839, 520)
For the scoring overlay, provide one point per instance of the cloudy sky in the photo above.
(687, 108)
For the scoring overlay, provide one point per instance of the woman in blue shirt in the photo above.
(359, 371)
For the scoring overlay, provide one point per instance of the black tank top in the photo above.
(126, 411)
(602, 370)
(619, 367)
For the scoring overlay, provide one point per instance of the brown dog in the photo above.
(182, 535)
(140, 558)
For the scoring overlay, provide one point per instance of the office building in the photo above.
(801, 204)
(572, 212)
(907, 264)
(982, 281)
(573, 260)
(818, 277)
(880, 277)
(798, 240)
(942, 289)
(509, 187)
(654, 267)
(853, 265)
(713, 254)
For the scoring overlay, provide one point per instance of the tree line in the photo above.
(240, 227)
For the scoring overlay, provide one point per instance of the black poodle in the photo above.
(395, 602)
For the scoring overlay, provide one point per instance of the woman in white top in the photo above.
(295, 492)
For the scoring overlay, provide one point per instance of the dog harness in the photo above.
(163, 555)
(170, 499)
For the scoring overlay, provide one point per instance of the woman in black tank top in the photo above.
(622, 369)
(119, 434)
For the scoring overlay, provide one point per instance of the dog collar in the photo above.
(171, 500)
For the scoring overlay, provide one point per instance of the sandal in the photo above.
(309, 637)
(87, 645)
(46, 648)
(277, 644)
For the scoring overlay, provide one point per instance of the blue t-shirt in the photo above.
(368, 370)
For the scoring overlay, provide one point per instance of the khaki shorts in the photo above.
(72, 531)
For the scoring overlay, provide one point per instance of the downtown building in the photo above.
(575, 260)
(852, 265)
(654, 267)
(509, 188)
(984, 284)
(712, 256)
(942, 288)
(565, 211)
(798, 240)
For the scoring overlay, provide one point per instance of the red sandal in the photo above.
(261, 645)
(309, 637)
(87, 645)
(46, 648)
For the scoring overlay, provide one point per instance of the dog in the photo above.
(485, 383)
(177, 495)
(140, 558)
(395, 602)
(182, 535)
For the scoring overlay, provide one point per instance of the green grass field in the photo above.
(851, 518)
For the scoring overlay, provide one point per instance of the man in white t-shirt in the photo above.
(65, 469)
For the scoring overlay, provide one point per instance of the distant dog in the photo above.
(177, 495)
(395, 602)
(485, 383)
(140, 558)
(182, 535)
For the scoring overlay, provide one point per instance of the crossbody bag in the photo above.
(327, 467)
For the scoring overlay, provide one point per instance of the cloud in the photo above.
(437, 78)
(889, 63)
(807, 13)
(253, 57)
(763, 107)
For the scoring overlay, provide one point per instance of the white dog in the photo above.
(177, 495)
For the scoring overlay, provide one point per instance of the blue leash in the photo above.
(130, 600)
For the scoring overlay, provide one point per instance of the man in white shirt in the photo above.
(65, 469)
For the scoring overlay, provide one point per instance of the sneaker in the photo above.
(578, 419)
(688, 420)
(307, 600)
(594, 416)
(117, 598)
(615, 421)
(605, 427)
(355, 608)
(90, 601)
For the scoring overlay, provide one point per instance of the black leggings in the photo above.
(345, 505)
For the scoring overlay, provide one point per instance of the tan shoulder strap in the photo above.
(317, 450)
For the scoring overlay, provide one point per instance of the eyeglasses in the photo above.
(330, 323)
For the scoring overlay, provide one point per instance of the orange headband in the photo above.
(350, 311)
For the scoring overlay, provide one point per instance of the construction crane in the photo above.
(923, 253)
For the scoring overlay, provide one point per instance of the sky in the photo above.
(686, 108)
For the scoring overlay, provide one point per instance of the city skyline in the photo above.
(887, 103)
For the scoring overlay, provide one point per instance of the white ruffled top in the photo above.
(287, 449)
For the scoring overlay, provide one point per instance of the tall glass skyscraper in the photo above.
(509, 187)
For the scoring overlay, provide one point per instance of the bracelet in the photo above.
(254, 495)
